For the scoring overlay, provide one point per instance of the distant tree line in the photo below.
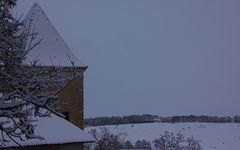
(131, 119)
(193, 118)
(147, 118)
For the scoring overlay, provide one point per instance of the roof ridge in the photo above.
(37, 20)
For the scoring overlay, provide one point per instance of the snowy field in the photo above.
(212, 136)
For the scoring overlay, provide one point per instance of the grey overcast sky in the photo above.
(164, 57)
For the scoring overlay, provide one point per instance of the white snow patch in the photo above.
(55, 130)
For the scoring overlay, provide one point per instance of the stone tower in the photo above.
(52, 50)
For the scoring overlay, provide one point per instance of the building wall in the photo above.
(39, 147)
(71, 101)
(71, 146)
(71, 98)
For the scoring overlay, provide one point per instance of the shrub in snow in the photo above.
(142, 144)
(128, 145)
(171, 141)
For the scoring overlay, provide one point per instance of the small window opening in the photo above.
(66, 114)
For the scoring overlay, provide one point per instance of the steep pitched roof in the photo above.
(52, 50)
(54, 130)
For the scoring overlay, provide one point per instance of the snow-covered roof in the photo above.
(52, 50)
(55, 130)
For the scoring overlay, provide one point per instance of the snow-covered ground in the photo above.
(212, 136)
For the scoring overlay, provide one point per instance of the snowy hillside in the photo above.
(213, 136)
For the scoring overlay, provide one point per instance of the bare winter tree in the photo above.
(26, 91)
(105, 140)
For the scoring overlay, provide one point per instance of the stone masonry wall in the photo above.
(71, 100)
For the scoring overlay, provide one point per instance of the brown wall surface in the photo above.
(71, 100)
(70, 146)
(39, 147)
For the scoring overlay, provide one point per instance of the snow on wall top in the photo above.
(54, 130)
(52, 50)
